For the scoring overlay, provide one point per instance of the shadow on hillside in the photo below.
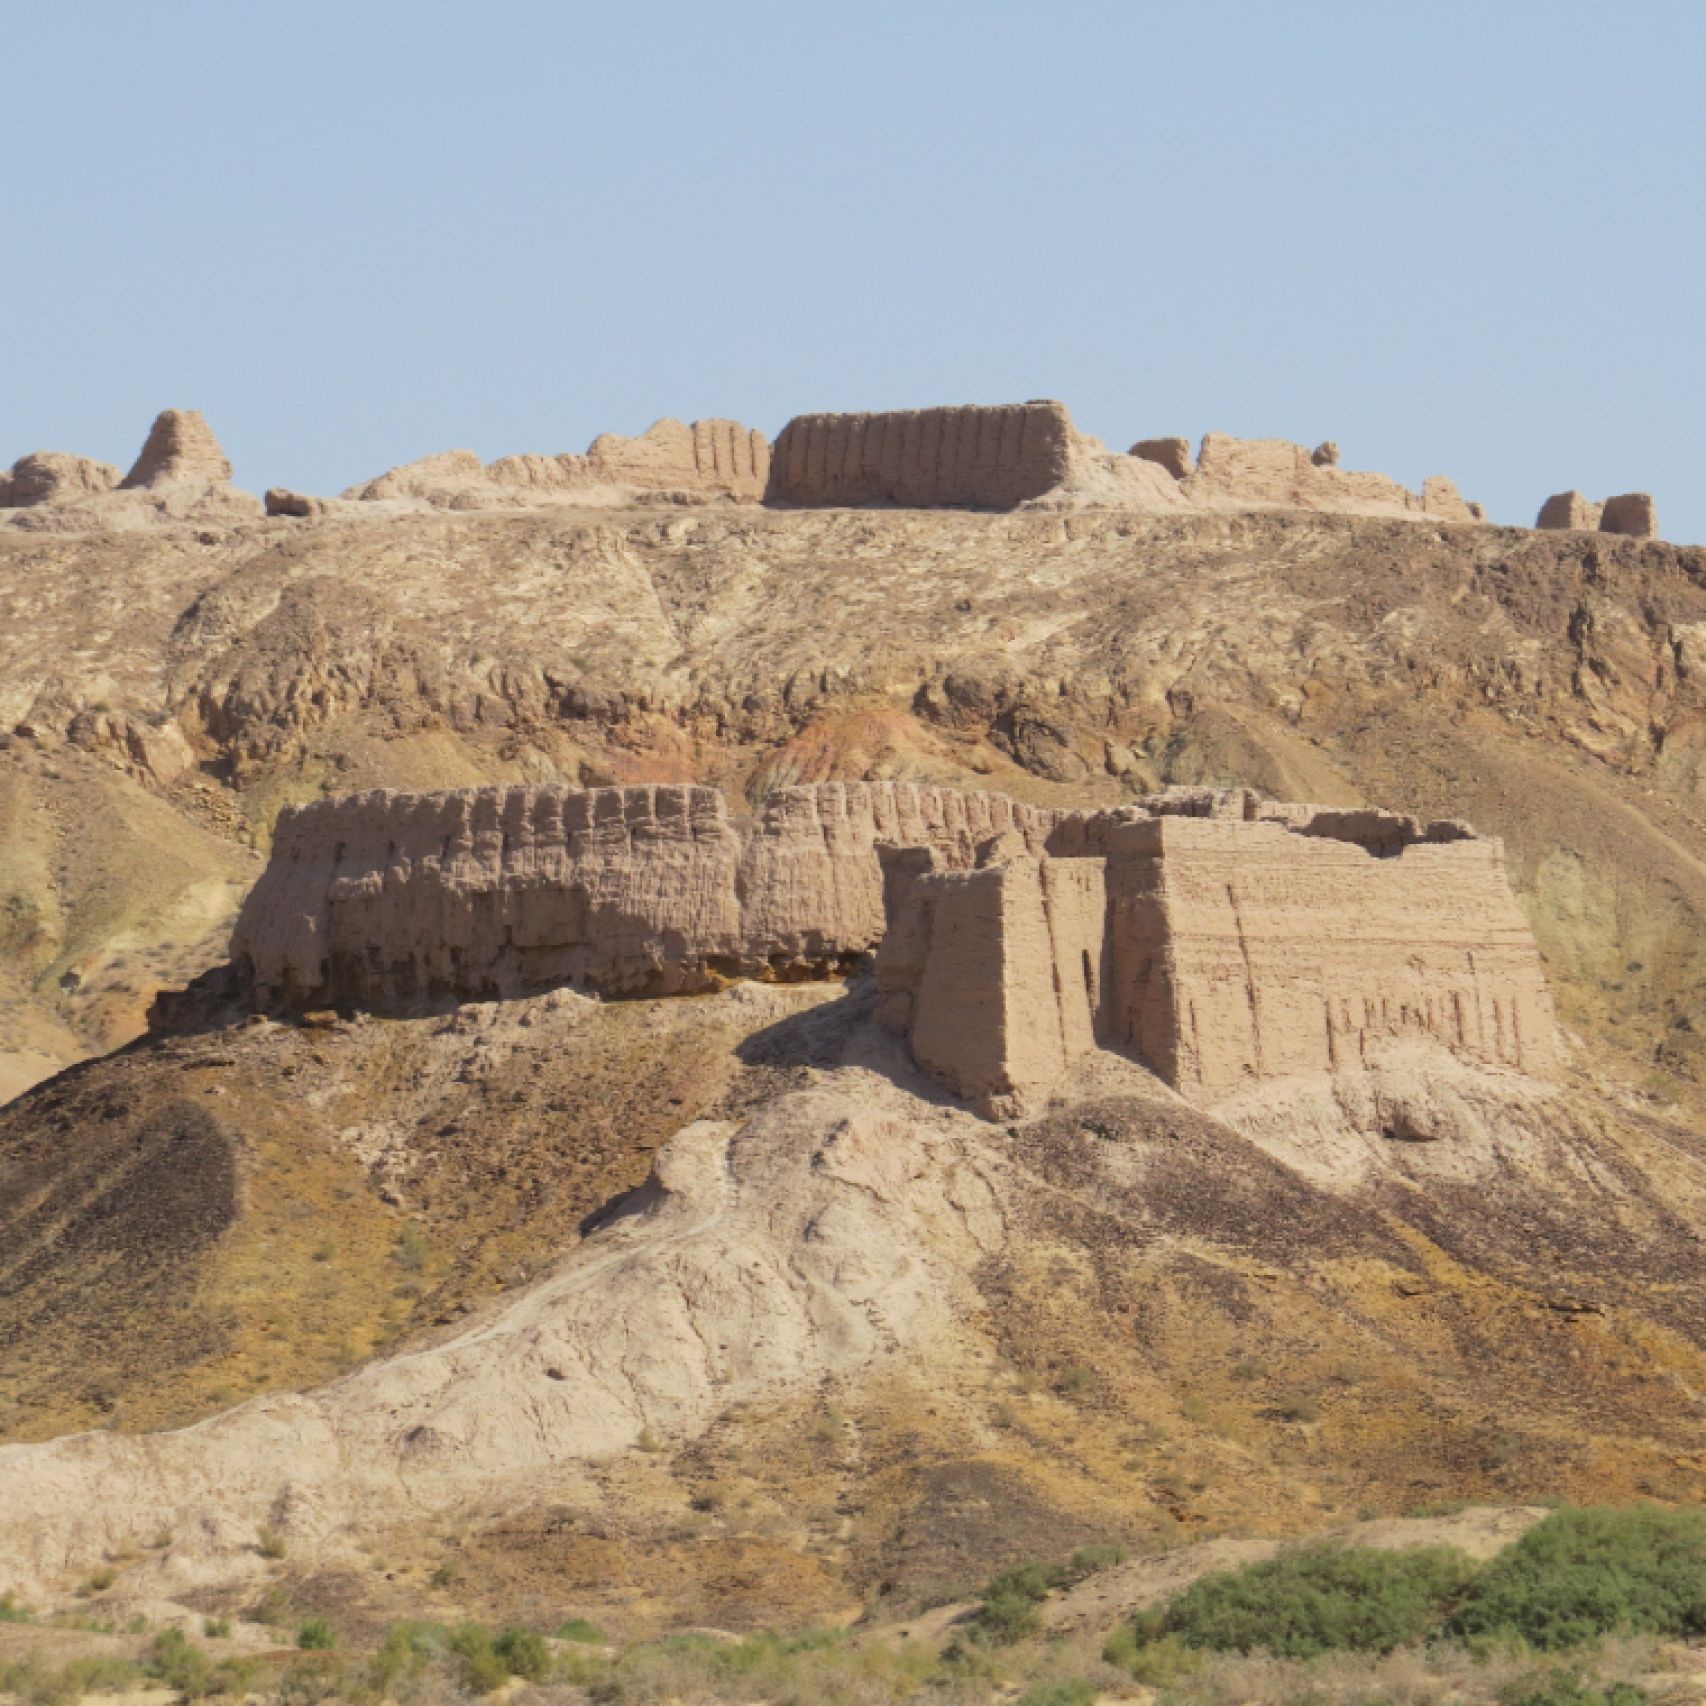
(839, 1034)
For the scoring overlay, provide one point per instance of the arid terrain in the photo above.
(715, 1309)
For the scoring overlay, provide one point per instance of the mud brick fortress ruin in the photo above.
(1012, 456)
(1218, 938)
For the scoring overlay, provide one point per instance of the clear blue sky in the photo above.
(1458, 238)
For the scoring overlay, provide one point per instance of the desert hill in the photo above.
(716, 1307)
(845, 1340)
(169, 689)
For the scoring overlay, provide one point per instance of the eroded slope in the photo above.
(867, 1344)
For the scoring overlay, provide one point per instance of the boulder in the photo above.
(1325, 454)
(281, 501)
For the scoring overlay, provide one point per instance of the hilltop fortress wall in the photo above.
(1221, 939)
(1221, 950)
(981, 458)
(380, 898)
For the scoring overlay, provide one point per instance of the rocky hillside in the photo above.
(841, 1343)
(168, 688)
(493, 1295)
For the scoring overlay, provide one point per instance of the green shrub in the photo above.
(1006, 1616)
(315, 1636)
(1322, 1599)
(1009, 1609)
(1583, 1574)
(270, 1543)
(176, 1662)
(10, 1610)
(766, 1650)
(216, 1628)
(405, 1652)
(481, 1669)
(523, 1653)
(578, 1629)
(1008, 1612)
(1160, 1663)
(103, 1674)
(1568, 1688)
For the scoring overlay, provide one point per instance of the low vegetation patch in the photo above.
(1575, 1579)
(1584, 1574)
(1568, 1688)
(1321, 1599)
(1008, 1610)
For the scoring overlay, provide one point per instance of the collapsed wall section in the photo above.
(1273, 473)
(709, 459)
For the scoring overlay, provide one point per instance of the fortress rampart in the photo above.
(381, 898)
(978, 457)
(1221, 939)
(984, 457)
(1221, 949)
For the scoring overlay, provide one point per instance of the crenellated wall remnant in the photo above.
(999, 456)
(382, 898)
(979, 457)
(1219, 938)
